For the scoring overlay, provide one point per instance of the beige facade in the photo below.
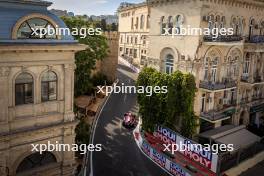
(134, 29)
(229, 70)
(108, 65)
(34, 110)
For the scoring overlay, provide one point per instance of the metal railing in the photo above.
(223, 38)
(217, 85)
(217, 115)
(255, 39)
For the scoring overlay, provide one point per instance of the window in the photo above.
(49, 86)
(137, 23)
(142, 21)
(24, 89)
(132, 23)
(246, 64)
(251, 27)
(135, 53)
(148, 22)
(136, 41)
(178, 23)
(36, 160)
(170, 24)
(25, 31)
(206, 68)
(163, 25)
(214, 70)
(169, 63)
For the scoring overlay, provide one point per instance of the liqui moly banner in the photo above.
(163, 161)
(191, 149)
(146, 148)
(166, 135)
(175, 169)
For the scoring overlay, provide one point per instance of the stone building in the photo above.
(229, 70)
(36, 90)
(109, 64)
(134, 29)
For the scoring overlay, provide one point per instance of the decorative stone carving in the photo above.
(4, 71)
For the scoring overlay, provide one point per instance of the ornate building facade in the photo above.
(134, 25)
(36, 90)
(229, 70)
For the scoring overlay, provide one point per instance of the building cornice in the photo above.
(248, 4)
(31, 2)
(42, 47)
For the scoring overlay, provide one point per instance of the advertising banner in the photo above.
(163, 161)
(193, 151)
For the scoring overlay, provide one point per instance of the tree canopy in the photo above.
(86, 60)
(173, 109)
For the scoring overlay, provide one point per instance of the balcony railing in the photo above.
(223, 38)
(218, 115)
(218, 85)
(255, 39)
(256, 79)
(257, 107)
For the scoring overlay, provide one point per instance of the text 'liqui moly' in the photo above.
(158, 158)
(166, 135)
(198, 154)
(176, 170)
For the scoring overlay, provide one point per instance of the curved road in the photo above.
(120, 155)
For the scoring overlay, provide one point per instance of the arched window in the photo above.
(178, 23)
(235, 26)
(142, 22)
(222, 24)
(211, 22)
(214, 69)
(170, 24)
(36, 160)
(163, 24)
(132, 23)
(137, 23)
(246, 65)
(206, 68)
(169, 64)
(148, 22)
(49, 86)
(24, 89)
(31, 29)
(251, 27)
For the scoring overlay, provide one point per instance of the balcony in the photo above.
(215, 115)
(255, 39)
(208, 85)
(256, 79)
(257, 107)
(224, 38)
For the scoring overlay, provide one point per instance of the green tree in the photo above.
(86, 60)
(173, 109)
(103, 25)
(113, 27)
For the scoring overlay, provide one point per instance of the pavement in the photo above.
(120, 155)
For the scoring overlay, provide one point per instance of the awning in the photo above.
(239, 136)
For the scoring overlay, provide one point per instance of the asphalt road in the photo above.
(120, 155)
